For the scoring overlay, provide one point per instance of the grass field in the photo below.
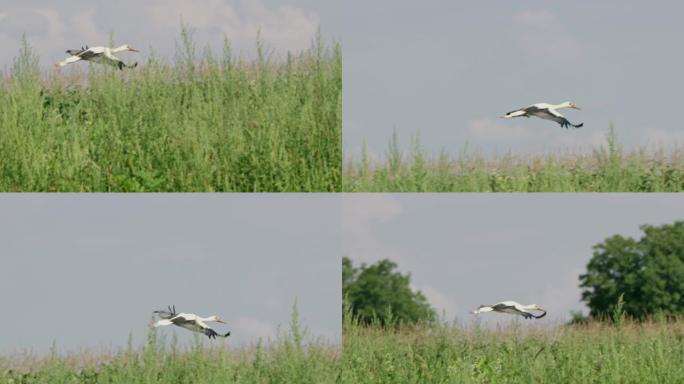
(591, 353)
(287, 360)
(604, 169)
(205, 122)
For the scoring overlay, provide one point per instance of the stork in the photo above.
(513, 308)
(545, 111)
(188, 321)
(101, 55)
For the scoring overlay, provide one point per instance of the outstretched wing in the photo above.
(87, 53)
(552, 114)
(76, 52)
(163, 314)
(540, 316)
(564, 122)
(502, 307)
(213, 334)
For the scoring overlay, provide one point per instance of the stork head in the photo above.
(570, 104)
(536, 307)
(126, 47)
(216, 319)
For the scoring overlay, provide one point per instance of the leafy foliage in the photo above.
(379, 293)
(648, 273)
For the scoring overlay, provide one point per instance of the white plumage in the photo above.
(545, 111)
(189, 321)
(513, 308)
(101, 55)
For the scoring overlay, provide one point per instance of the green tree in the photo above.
(380, 293)
(649, 272)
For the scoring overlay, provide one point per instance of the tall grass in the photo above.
(289, 359)
(596, 352)
(605, 169)
(205, 122)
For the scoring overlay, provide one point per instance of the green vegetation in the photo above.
(287, 360)
(596, 352)
(380, 294)
(634, 334)
(648, 273)
(605, 169)
(205, 123)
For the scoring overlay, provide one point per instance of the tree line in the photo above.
(644, 277)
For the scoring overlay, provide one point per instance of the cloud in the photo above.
(252, 328)
(48, 31)
(496, 130)
(440, 301)
(284, 27)
(52, 29)
(360, 214)
(541, 34)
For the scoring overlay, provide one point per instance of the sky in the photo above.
(466, 250)
(53, 27)
(85, 271)
(447, 69)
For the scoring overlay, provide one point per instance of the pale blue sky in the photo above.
(464, 250)
(87, 270)
(53, 27)
(449, 68)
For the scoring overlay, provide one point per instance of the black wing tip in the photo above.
(210, 333)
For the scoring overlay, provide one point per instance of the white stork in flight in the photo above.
(513, 308)
(189, 321)
(102, 55)
(545, 111)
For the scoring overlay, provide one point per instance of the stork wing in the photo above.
(180, 319)
(163, 314)
(213, 334)
(552, 114)
(562, 120)
(532, 109)
(87, 54)
(503, 306)
(76, 52)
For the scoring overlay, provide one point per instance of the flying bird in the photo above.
(101, 55)
(513, 308)
(188, 321)
(545, 111)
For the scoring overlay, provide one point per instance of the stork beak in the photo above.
(220, 321)
(133, 49)
(576, 107)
